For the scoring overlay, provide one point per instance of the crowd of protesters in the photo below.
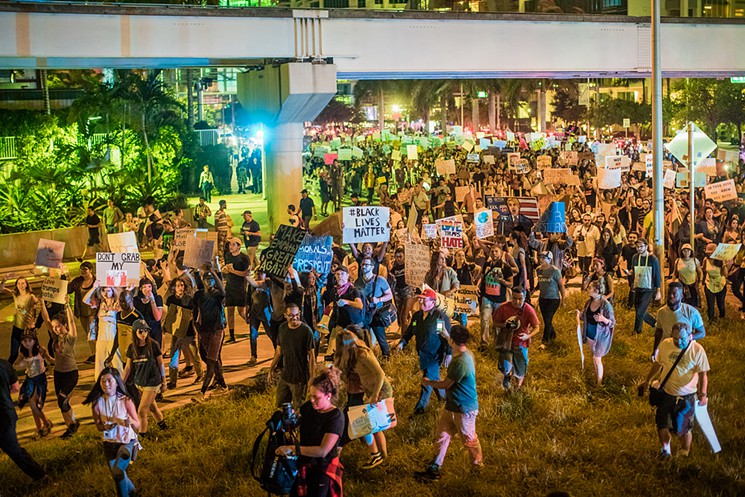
(348, 315)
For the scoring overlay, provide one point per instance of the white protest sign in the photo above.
(451, 232)
(467, 300)
(467, 145)
(510, 136)
(118, 268)
(721, 191)
(609, 178)
(708, 166)
(411, 152)
(396, 155)
(544, 161)
(460, 193)
(484, 223)
(198, 251)
(445, 166)
(429, 231)
(417, 264)
(618, 162)
(726, 251)
(704, 422)
(123, 242)
(488, 159)
(557, 176)
(649, 162)
(513, 159)
(54, 290)
(49, 253)
(474, 158)
(180, 237)
(669, 180)
(366, 224)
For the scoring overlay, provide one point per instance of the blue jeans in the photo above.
(254, 323)
(514, 361)
(379, 332)
(119, 457)
(430, 369)
(487, 307)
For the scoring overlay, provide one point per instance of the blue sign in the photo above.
(314, 254)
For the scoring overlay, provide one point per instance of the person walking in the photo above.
(210, 324)
(295, 347)
(65, 368)
(376, 295)
(112, 216)
(206, 181)
(461, 406)
(551, 295)
(307, 209)
(80, 286)
(676, 311)
(236, 268)
(518, 324)
(251, 232)
(646, 281)
(715, 284)
(25, 316)
(598, 323)
(202, 213)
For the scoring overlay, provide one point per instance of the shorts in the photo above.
(676, 413)
(149, 389)
(235, 296)
(514, 361)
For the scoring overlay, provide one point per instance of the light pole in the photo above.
(657, 169)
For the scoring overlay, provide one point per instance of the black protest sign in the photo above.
(277, 258)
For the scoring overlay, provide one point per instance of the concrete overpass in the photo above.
(365, 44)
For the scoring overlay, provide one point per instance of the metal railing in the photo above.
(7, 147)
(208, 137)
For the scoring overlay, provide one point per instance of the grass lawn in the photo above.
(558, 433)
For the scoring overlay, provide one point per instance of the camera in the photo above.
(289, 417)
(580, 238)
(512, 324)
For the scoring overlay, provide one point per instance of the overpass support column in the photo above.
(283, 98)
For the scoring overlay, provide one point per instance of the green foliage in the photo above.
(218, 158)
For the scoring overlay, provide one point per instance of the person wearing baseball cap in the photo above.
(431, 327)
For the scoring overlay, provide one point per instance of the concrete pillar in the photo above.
(381, 109)
(283, 146)
(492, 112)
(475, 117)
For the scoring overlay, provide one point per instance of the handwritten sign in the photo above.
(557, 175)
(721, 191)
(429, 231)
(488, 159)
(118, 268)
(314, 254)
(669, 180)
(180, 237)
(411, 152)
(49, 253)
(726, 251)
(417, 264)
(54, 290)
(366, 224)
(198, 251)
(445, 166)
(396, 155)
(544, 161)
(467, 300)
(277, 259)
(484, 223)
(123, 242)
(474, 158)
(460, 193)
(609, 178)
(451, 232)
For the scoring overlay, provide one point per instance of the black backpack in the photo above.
(276, 474)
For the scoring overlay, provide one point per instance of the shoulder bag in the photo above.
(657, 395)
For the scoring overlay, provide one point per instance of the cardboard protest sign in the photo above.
(721, 191)
(703, 421)
(429, 231)
(118, 268)
(277, 258)
(488, 159)
(180, 237)
(544, 161)
(726, 251)
(553, 219)
(198, 251)
(396, 155)
(123, 242)
(366, 224)
(557, 176)
(345, 154)
(513, 159)
(49, 253)
(411, 152)
(460, 193)
(474, 158)
(444, 166)
(707, 166)
(484, 223)
(417, 264)
(54, 290)
(569, 157)
(404, 196)
(467, 145)
(357, 152)
(467, 300)
(371, 418)
(315, 254)
(618, 162)
(411, 221)
(609, 178)
(669, 180)
(451, 232)
(401, 236)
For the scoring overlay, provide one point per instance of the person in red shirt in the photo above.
(517, 323)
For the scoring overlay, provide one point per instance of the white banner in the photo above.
(721, 191)
(366, 224)
(123, 242)
(609, 178)
(417, 264)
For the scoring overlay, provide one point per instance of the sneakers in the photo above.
(252, 362)
(542, 346)
(375, 460)
(506, 381)
(198, 379)
(46, 429)
(230, 340)
(162, 425)
(220, 390)
(186, 373)
(432, 473)
(171, 385)
(71, 430)
(418, 411)
(664, 455)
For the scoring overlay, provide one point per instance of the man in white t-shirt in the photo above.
(688, 381)
(676, 312)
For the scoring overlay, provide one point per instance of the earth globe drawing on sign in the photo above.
(483, 217)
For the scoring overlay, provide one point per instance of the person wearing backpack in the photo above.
(320, 426)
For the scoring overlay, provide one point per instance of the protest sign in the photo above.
(569, 157)
(401, 236)
(370, 418)
(609, 178)
(366, 224)
(726, 251)
(404, 196)
(451, 232)
(417, 264)
(429, 231)
(467, 300)
(123, 242)
(721, 191)
(345, 154)
(335, 143)
(396, 155)
(411, 222)
(315, 254)
(553, 219)
(444, 166)
(703, 421)
(198, 251)
(411, 152)
(669, 180)
(329, 159)
(488, 159)
(707, 166)
(474, 158)
(639, 166)
(467, 145)
(649, 163)
(484, 223)
(510, 136)
(513, 159)
(681, 179)
(460, 193)
(54, 290)
(544, 161)
(180, 237)
(49, 253)
(277, 258)
(618, 162)
(118, 268)
(357, 152)
(557, 176)
(484, 143)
